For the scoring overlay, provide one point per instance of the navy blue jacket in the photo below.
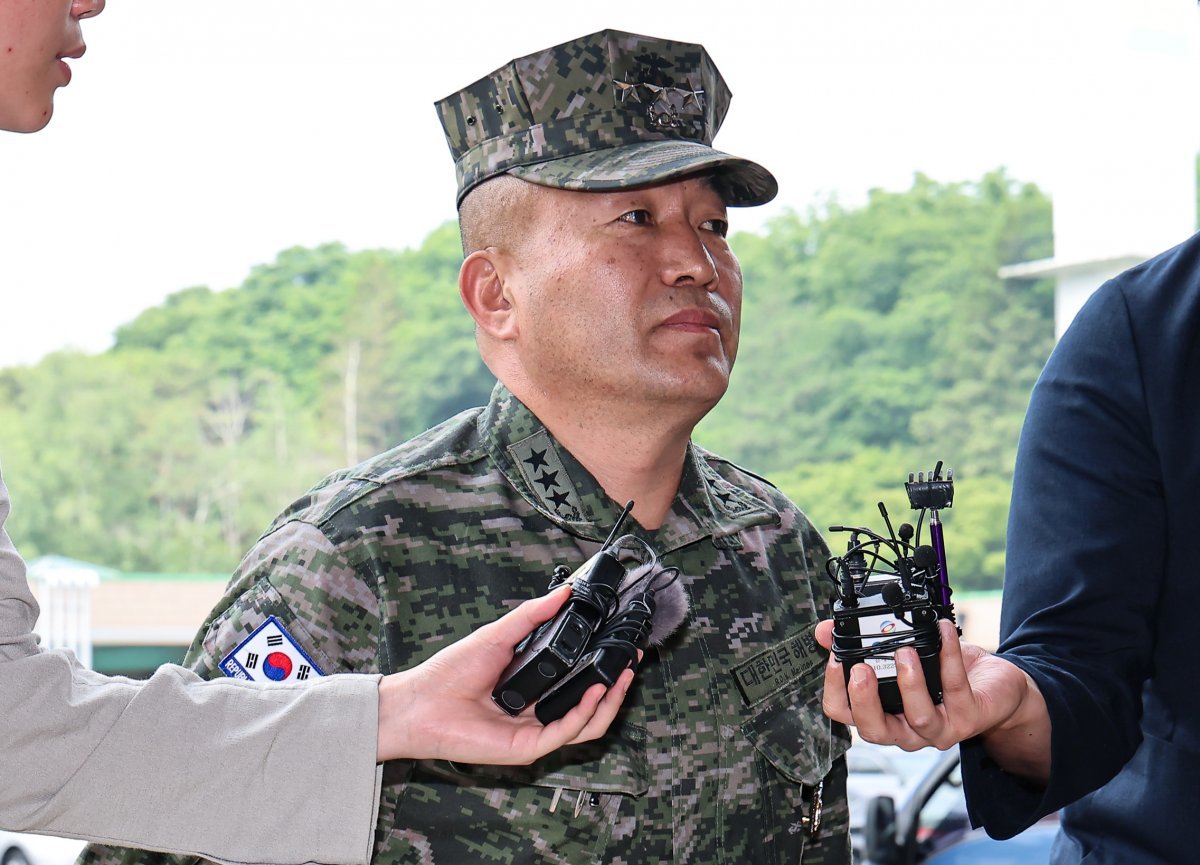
(1101, 595)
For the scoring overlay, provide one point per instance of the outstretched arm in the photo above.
(175, 745)
(178, 743)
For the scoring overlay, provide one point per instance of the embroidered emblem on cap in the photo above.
(270, 654)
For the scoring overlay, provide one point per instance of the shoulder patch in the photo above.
(270, 654)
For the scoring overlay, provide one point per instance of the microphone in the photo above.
(552, 649)
(669, 598)
(925, 558)
(893, 596)
(550, 652)
(653, 606)
(896, 601)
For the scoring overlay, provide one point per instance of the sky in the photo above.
(197, 140)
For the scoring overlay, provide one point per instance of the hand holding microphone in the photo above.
(621, 602)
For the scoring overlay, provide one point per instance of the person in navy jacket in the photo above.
(1092, 703)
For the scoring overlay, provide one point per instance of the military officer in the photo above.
(606, 300)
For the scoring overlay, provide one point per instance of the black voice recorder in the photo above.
(553, 649)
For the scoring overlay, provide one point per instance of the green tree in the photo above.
(880, 339)
(876, 340)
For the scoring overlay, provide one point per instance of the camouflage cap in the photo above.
(607, 111)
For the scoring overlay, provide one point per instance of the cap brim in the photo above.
(740, 182)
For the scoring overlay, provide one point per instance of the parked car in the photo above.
(928, 825)
(21, 849)
(879, 770)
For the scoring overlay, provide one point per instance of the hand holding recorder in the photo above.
(442, 708)
(621, 603)
(898, 670)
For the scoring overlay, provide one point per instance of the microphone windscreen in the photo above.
(925, 558)
(670, 599)
(893, 594)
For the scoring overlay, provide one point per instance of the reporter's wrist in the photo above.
(1020, 742)
(395, 722)
(1024, 710)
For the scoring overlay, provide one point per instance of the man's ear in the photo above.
(481, 286)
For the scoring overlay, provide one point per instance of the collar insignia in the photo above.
(545, 476)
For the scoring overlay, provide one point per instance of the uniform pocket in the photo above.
(565, 808)
(794, 735)
(803, 773)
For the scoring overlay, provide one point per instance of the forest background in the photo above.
(876, 340)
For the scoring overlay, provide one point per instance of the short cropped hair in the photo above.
(494, 212)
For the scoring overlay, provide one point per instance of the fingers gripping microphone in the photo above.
(654, 605)
(892, 591)
(614, 610)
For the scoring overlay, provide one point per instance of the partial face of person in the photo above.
(630, 296)
(36, 39)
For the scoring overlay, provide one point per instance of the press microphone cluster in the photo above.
(892, 590)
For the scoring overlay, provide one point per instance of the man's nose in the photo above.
(86, 8)
(686, 259)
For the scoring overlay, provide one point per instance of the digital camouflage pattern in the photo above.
(607, 111)
(721, 753)
(718, 751)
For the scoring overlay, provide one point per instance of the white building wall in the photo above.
(64, 593)
(1127, 187)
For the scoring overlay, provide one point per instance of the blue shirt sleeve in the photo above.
(1084, 565)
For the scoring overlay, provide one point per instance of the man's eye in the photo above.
(637, 217)
(718, 226)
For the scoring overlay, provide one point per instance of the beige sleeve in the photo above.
(18, 609)
(233, 771)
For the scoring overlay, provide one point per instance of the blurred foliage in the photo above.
(877, 340)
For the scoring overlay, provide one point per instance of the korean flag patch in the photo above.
(270, 655)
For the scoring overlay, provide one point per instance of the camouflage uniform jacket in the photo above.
(722, 742)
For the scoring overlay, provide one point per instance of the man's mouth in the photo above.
(694, 320)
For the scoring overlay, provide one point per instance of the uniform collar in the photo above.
(555, 483)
